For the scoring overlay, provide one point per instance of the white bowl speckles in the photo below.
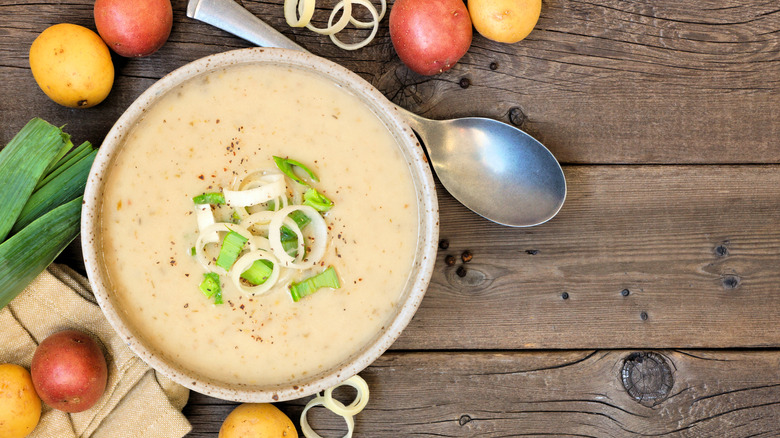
(426, 241)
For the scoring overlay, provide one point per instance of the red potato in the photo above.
(134, 28)
(69, 371)
(430, 36)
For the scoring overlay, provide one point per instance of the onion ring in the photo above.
(374, 23)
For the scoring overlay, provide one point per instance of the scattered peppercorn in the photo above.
(444, 244)
(449, 260)
(461, 271)
(466, 256)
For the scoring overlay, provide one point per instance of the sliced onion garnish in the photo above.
(257, 195)
(245, 262)
(259, 220)
(207, 236)
(275, 239)
(259, 242)
(338, 408)
(353, 408)
(364, 24)
(205, 217)
(291, 10)
(305, 9)
(374, 23)
(318, 235)
(308, 432)
(332, 28)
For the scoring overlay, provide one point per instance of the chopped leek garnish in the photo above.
(286, 166)
(317, 200)
(326, 278)
(211, 288)
(231, 248)
(193, 251)
(235, 217)
(288, 237)
(209, 198)
(259, 272)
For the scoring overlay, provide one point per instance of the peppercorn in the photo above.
(466, 256)
(449, 260)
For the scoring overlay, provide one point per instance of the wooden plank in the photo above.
(696, 247)
(570, 393)
(598, 82)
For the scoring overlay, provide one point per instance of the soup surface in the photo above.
(205, 135)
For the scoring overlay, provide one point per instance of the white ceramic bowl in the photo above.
(426, 239)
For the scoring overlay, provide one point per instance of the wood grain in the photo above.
(569, 393)
(609, 82)
(697, 248)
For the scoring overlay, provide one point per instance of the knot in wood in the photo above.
(517, 116)
(471, 279)
(647, 377)
(731, 282)
(464, 420)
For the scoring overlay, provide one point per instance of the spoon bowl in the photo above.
(494, 169)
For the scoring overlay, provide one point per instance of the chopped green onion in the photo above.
(326, 278)
(259, 272)
(286, 166)
(288, 237)
(317, 200)
(211, 288)
(231, 248)
(300, 219)
(209, 198)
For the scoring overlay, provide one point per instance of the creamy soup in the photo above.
(203, 136)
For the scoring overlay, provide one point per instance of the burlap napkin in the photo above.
(138, 402)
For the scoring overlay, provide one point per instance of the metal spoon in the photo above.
(493, 168)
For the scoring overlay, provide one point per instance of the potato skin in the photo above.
(257, 420)
(134, 28)
(505, 21)
(69, 371)
(430, 36)
(20, 406)
(72, 65)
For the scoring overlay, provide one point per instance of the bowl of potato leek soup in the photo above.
(260, 225)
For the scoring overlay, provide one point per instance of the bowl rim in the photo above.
(428, 219)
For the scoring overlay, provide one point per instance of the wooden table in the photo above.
(662, 272)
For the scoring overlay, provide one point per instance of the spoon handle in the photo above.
(235, 19)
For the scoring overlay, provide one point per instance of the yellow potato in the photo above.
(20, 407)
(257, 420)
(72, 65)
(505, 21)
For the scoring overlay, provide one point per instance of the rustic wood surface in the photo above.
(665, 116)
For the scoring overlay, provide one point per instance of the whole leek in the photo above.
(42, 182)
